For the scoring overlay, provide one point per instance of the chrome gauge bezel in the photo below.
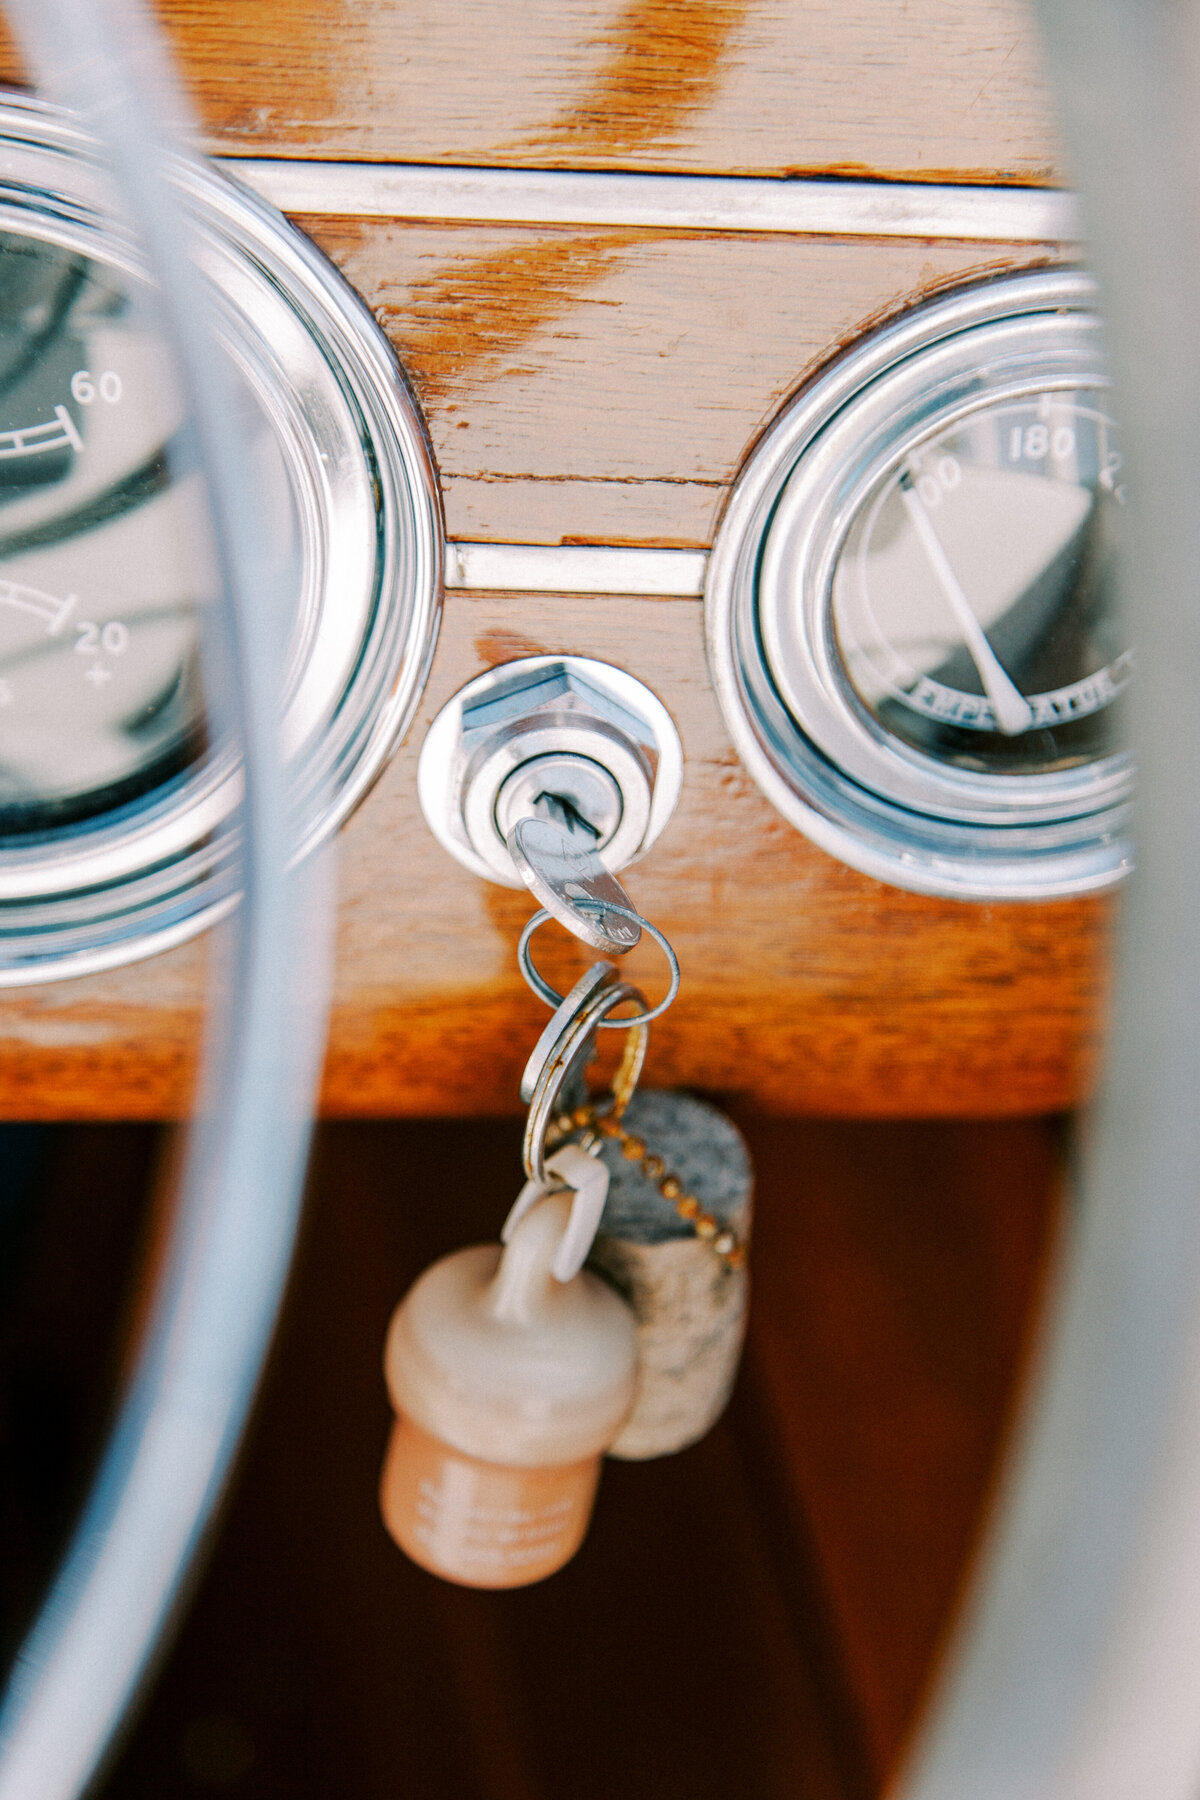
(829, 767)
(150, 874)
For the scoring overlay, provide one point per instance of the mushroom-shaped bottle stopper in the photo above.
(508, 1383)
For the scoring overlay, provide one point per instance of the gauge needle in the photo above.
(1013, 712)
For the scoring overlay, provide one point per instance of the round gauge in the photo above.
(103, 548)
(110, 792)
(972, 600)
(912, 605)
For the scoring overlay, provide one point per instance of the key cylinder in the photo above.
(564, 738)
(570, 790)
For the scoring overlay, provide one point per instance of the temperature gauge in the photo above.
(110, 791)
(973, 600)
(912, 608)
(104, 553)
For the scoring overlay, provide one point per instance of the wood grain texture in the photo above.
(807, 987)
(935, 89)
(605, 387)
(682, 1655)
(811, 1547)
(899, 1275)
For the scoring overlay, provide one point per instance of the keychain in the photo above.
(513, 1368)
(511, 1371)
(677, 1220)
(673, 1242)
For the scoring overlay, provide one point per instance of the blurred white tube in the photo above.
(1076, 1674)
(240, 1193)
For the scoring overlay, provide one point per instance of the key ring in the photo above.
(544, 991)
(559, 1065)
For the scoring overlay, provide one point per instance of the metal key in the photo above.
(560, 871)
(563, 1052)
(597, 977)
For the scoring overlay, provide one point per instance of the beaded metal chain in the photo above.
(607, 1124)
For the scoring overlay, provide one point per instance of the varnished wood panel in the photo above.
(807, 987)
(928, 90)
(898, 1275)
(682, 1655)
(605, 387)
(753, 1620)
(62, 1335)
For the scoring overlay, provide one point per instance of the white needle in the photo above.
(1013, 712)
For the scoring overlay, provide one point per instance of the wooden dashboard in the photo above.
(601, 384)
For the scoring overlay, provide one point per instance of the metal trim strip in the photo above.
(576, 569)
(709, 203)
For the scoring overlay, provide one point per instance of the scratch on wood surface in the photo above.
(501, 645)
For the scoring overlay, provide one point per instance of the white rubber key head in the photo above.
(587, 1177)
(530, 1194)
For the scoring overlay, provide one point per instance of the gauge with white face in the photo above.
(104, 551)
(911, 605)
(112, 793)
(973, 602)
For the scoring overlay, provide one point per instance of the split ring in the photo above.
(563, 1059)
(544, 991)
